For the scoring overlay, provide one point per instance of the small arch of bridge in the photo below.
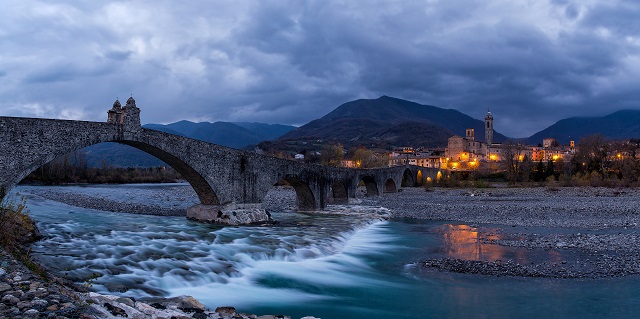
(390, 186)
(339, 192)
(305, 199)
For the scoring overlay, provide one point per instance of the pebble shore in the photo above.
(598, 225)
(99, 203)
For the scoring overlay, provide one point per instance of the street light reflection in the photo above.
(466, 242)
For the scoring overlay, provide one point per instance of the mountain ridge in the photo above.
(619, 125)
(366, 118)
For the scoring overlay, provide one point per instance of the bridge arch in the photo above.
(371, 185)
(339, 192)
(419, 178)
(305, 199)
(390, 186)
(205, 192)
(407, 179)
(54, 138)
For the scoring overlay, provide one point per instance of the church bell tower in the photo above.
(488, 128)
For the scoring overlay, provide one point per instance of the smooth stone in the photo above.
(4, 287)
(10, 299)
(39, 303)
(226, 310)
(32, 313)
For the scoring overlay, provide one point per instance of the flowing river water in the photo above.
(327, 266)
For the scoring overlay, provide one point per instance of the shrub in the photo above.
(16, 228)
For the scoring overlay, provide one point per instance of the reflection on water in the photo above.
(479, 243)
(465, 242)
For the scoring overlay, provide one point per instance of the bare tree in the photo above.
(514, 158)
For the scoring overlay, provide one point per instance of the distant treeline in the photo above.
(73, 169)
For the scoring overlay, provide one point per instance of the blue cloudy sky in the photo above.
(531, 62)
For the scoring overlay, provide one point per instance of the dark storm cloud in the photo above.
(532, 63)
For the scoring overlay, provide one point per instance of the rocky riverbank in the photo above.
(593, 231)
(24, 294)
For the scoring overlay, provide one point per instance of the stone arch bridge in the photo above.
(219, 175)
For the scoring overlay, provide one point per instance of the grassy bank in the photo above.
(17, 231)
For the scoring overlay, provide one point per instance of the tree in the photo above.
(549, 169)
(368, 159)
(332, 155)
(538, 172)
(513, 159)
(526, 168)
(591, 155)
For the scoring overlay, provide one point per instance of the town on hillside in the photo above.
(465, 154)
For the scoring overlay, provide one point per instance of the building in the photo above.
(488, 128)
(426, 158)
(465, 153)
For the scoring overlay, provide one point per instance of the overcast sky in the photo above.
(289, 62)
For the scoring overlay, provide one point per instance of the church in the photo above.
(466, 153)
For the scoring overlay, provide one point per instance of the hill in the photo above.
(388, 121)
(222, 133)
(620, 125)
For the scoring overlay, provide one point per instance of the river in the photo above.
(327, 266)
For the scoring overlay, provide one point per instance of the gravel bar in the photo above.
(594, 229)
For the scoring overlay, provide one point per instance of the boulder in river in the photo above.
(229, 214)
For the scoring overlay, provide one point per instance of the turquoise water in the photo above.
(328, 267)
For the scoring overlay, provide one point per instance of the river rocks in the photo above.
(24, 295)
(228, 215)
(183, 307)
(31, 296)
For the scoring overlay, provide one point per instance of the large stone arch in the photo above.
(33, 143)
(205, 192)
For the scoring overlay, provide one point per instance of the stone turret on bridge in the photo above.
(222, 177)
(128, 117)
(114, 115)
